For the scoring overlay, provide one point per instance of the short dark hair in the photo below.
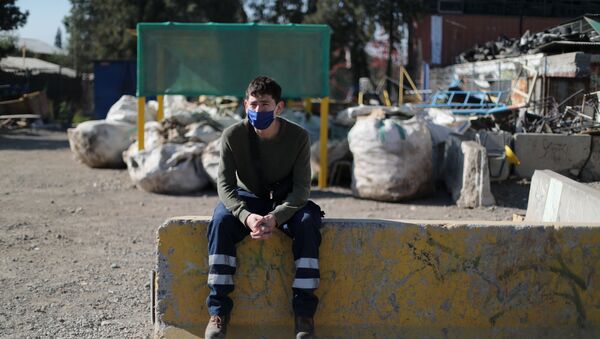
(262, 85)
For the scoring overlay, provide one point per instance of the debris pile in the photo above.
(584, 118)
(174, 154)
(576, 31)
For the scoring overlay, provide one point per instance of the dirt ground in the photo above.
(77, 244)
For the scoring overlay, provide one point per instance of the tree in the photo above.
(390, 15)
(281, 11)
(351, 29)
(58, 38)
(11, 16)
(106, 29)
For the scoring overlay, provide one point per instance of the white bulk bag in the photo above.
(392, 158)
(210, 160)
(100, 143)
(126, 110)
(167, 168)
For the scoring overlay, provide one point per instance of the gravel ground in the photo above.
(77, 244)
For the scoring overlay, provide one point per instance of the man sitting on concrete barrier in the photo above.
(263, 183)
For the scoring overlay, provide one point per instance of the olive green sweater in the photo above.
(287, 152)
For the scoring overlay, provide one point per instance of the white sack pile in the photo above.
(172, 159)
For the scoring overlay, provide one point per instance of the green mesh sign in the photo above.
(221, 59)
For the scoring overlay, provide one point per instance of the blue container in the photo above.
(112, 79)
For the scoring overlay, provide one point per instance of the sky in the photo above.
(45, 17)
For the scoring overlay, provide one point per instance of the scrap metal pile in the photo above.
(577, 31)
(584, 118)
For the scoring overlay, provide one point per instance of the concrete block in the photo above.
(555, 198)
(466, 173)
(389, 279)
(591, 171)
(565, 154)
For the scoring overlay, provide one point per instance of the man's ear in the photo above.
(280, 106)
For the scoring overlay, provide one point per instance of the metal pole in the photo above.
(307, 105)
(140, 122)
(161, 108)
(401, 87)
(323, 142)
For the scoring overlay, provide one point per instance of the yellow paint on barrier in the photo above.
(382, 279)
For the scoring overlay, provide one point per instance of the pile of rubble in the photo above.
(559, 119)
(529, 43)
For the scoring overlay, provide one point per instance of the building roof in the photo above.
(33, 65)
(38, 46)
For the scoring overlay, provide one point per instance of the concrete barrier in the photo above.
(566, 154)
(556, 198)
(388, 279)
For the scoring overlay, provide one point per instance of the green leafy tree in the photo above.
(281, 11)
(391, 15)
(106, 29)
(11, 18)
(351, 29)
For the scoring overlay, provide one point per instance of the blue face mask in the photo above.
(260, 120)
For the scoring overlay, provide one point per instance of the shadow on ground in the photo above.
(438, 198)
(27, 139)
(511, 193)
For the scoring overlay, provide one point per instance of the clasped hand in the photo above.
(261, 227)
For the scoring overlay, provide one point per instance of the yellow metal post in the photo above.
(161, 108)
(324, 138)
(386, 98)
(307, 105)
(401, 90)
(140, 122)
(360, 98)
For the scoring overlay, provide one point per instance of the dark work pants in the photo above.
(225, 231)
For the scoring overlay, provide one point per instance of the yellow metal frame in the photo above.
(403, 74)
(386, 97)
(323, 142)
(141, 117)
(140, 122)
(161, 107)
(307, 105)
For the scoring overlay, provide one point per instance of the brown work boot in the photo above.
(217, 327)
(305, 327)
